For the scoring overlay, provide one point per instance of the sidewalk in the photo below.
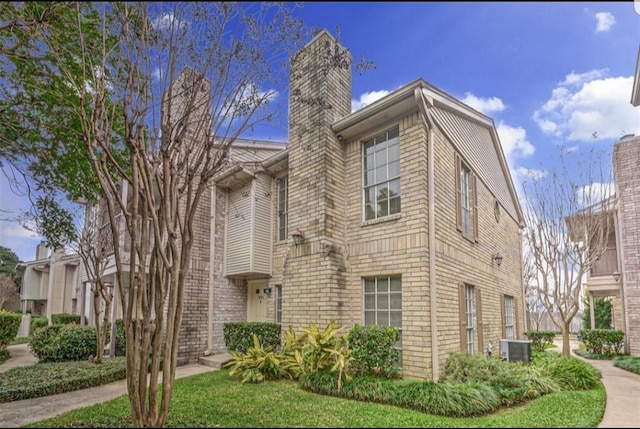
(19, 413)
(622, 408)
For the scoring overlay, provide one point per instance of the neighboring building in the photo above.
(50, 283)
(617, 273)
(400, 214)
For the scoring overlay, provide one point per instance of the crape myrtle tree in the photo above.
(568, 213)
(41, 152)
(161, 97)
(156, 102)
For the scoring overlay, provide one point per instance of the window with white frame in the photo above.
(509, 319)
(381, 169)
(470, 319)
(383, 304)
(278, 303)
(283, 196)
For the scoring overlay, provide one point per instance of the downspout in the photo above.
(212, 272)
(433, 307)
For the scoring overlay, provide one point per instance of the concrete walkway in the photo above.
(622, 406)
(18, 413)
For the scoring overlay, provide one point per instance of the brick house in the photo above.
(405, 212)
(401, 214)
(617, 274)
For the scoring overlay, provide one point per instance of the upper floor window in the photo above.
(381, 161)
(283, 196)
(466, 201)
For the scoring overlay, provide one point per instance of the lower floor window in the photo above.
(383, 304)
(509, 325)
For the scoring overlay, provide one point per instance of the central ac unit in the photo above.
(515, 350)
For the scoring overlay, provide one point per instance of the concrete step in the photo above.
(215, 361)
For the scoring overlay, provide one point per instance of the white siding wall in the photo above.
(239, 231)
(262, 225)
(249, 229)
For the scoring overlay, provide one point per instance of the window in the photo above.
(278, 303)
(509, 319)
(381, 161)
(466, 201)
(383, 304)
(283, 196)
(471, 318)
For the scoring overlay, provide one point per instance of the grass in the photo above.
(214, 400)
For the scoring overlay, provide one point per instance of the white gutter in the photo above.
(212, 271)
(433, 307)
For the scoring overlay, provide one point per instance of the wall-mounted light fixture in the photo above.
(298, 236)
(498, 259)
(267, 289)
(616, 276)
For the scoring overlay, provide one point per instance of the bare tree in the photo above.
(94, 245)
(8, 289)
(184, 81)
(569, 219)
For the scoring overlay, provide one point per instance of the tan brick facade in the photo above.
(322, 279)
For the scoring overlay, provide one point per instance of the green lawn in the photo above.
(214, 400)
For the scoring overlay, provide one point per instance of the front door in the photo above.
(256, 301)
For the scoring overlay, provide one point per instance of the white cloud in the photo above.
(593, 193)
(484, 105)
(588, 104)
(367, 98)
(605, 21)
(531, 173)
(168, 20)
(514, 141)
(580, 78)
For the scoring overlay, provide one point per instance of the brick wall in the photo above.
(626, 159)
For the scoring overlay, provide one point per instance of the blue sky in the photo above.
(548, 73)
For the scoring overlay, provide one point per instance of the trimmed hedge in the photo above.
(603, 341)
(373, 351)
(238, 336)
(59, 343)
(37, 322)
(9, 326)
(65, 319)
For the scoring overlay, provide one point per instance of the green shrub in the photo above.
(37, 322)
(65, 319)
(513, 381)
(59, 343)
(603, 341)
(444, 399)
(540, 340)
(238, 336)
(9, 326)
(569, 373)
(45, 379)
(257, 364)
(629, 363)
(373, 351)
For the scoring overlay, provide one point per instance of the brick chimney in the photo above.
(320, 94)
